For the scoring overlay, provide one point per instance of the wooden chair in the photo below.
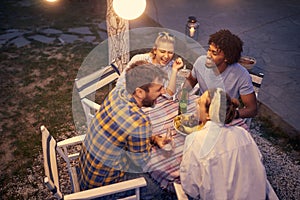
(179, 192)
(90, 84)
(50, 146)
(256, 81)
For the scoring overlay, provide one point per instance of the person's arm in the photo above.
(250, 106)
(190, 82)
(172, 82)
(139, 144)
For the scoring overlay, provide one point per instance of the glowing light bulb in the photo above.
(129, 9)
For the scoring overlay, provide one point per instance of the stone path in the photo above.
(21, 38)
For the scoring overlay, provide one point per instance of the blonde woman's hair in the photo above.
(163, 37)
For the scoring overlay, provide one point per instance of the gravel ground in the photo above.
(282, 171)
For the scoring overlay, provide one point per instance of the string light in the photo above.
(129, 9)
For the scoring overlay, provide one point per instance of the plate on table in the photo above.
(185, 124)
(247, 61)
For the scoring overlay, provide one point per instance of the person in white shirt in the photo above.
(162, 54)
(220, 161)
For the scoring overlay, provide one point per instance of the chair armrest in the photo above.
(108, 189)
(50, 185)
(90, 104)
(71, 141)
(270, 192)
(179, 192)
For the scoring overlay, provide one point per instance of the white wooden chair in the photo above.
(256, 81)
(50, 146)
(179, 192)
(88, 85)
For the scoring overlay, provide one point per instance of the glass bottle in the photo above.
(183, 102)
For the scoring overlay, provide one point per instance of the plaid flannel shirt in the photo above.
(118, 141)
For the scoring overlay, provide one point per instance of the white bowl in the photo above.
(187, 130)
(247, 61)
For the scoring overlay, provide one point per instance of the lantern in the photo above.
(192, 28)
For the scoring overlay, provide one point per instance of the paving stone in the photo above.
(80, 30)
(89, 38)
(68, 38)
(51, 31)
(2, 42)
(12, 30)
(43, 39)
(102, 26)
(103, 35)
(102, 30)
(20, 42)
(10, 35)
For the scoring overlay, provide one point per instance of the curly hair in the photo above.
(230, 44)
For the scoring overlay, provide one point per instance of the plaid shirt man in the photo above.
(118, 138)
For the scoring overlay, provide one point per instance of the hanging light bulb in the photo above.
(129, 9)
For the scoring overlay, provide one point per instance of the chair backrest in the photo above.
(90, 84)
(50, 163)
(256, 81)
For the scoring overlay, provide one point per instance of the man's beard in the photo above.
(147, 102)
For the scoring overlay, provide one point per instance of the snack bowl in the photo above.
(247, 61)
(186, 123)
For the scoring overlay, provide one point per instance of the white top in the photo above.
(235, 80)
(222, 162)
(168, 68)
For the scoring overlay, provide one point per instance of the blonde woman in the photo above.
(162, 55)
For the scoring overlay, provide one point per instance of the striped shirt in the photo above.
(118, 141)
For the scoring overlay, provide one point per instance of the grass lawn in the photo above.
(36, 81)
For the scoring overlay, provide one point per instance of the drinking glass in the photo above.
(168, 141)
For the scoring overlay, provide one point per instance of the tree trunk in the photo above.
(118, 37)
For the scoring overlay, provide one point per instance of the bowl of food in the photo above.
(186, 123)
(247, 61)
